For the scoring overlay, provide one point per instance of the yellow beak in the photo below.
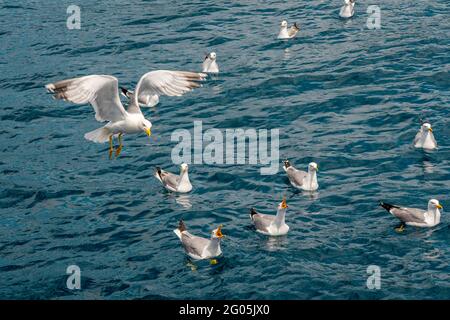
(148, 131)
(219, 232)
(431, 130)
(439, 206)
(284, 204)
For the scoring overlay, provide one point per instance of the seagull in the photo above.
(286, 33)
(300, 179)
(416, 217)
(269, 224)
(210, 64)
(144, 100)
(173, 182)
(347, 10)
(425, 138)
(197, 247)
(102, 92)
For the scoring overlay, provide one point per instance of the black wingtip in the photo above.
(252, 212)
(387, 206)
(181, 225)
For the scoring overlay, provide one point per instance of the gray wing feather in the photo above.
(296, 176)
(409, 214)
(193, 244)
(170, 179)
(262, 221)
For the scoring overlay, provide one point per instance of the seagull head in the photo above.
(284, 24)
(184, 167)
(283, 205)
(426, 127)
(212, 56)
(217, 233)
(287, 164)
(312, 166)
(434, 204)
(146, 127)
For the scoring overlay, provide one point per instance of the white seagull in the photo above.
(425, 138)
(348, 9)
(300, 179)
(416, 217)
(210, 64)
(197, 247)
(172, 182)
(271, 225)
(102, 92)
(288, 33)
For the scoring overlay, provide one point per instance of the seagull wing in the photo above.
(164, 82)
(262, 221)
(296, 176)
(101, 91)
(192, 244)
(169, 180)
(293, 31)
(408, 214)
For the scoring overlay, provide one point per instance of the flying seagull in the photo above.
(288, 33)
(415, 217)
(172, 182)
(197, 247)
(272, 225)
(300, 179)
(102, 92)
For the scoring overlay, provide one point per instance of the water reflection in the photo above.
(276, 243)
(184, 200)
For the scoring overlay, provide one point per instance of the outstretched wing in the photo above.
(101, 91)
(164, 82)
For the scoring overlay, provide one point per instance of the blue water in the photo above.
(342, 95)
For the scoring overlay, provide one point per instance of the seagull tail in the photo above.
(252, 213)
(158, 173)
(126, 93)
(180, 229)
(99, 135)
(387, 206)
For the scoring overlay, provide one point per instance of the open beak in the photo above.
(439, 206)
(284, 204)
(219, 232)
(148, 132)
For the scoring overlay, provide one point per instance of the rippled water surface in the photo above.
(342, 95)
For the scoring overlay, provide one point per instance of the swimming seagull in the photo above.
(172, 182)
(197, 247)
(286, 33)
(300, 179)
(425, 138)
(144, 100)
(416, 217)
(348, 9)
(272, 225)
(210, 64)
(102, 92)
